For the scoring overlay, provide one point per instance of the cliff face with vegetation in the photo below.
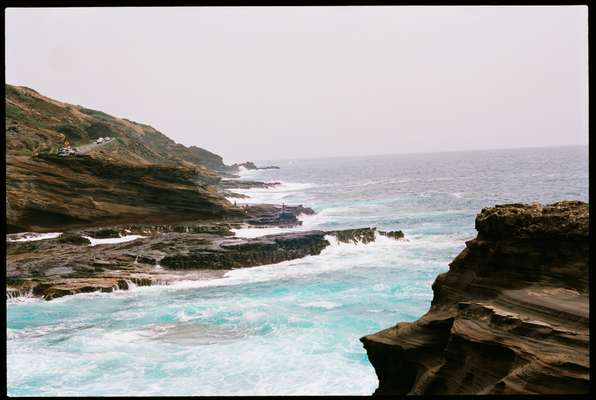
(139, 175)
(511, 316)
(38, 124)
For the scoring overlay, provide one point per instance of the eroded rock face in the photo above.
(510, 316)
(47, 193)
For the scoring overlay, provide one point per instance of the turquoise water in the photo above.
(293, 327)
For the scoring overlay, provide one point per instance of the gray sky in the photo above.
(284, 82)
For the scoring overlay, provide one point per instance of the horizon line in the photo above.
(426, 152)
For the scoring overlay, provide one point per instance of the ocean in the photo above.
(292, 327)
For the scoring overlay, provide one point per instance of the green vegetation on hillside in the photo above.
(36, 123)
(94, 113)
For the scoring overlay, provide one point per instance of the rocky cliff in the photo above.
(47, 192)
(511, 316)
(138, 174)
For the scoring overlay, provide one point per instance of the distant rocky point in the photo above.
(511, 316)
(251, 166)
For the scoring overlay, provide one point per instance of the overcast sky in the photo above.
(283, 82)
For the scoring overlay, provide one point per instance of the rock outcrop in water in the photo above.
(392, 234)
(509, 317)
(252, 166)
(167, 253)
(241, 253)
(57, 267)
(268, 215)
(238, 184)
(358, 235)
(67, 265)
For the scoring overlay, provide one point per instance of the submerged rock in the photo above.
(511, 315)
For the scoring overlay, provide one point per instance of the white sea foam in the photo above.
(333, 258)
(383, 252)
(23, 299)
(308, 222)
(337, 256)
(322, 304)
(273, 194)
(121, 239)
(166, 358)
(31, 236)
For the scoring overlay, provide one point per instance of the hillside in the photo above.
(140, 174)
(38, 124)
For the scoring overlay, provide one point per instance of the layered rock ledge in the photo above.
(511, 316)
(160, 254)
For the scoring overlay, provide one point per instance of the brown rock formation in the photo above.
(46, 193)
(239, 253)
(238, 184)
(67, 265)
(355, 236)
(265, 215)
(116, 171)
(509, 317)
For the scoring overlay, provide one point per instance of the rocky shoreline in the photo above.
(161, 254)
(143, 210)
(511, 316)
